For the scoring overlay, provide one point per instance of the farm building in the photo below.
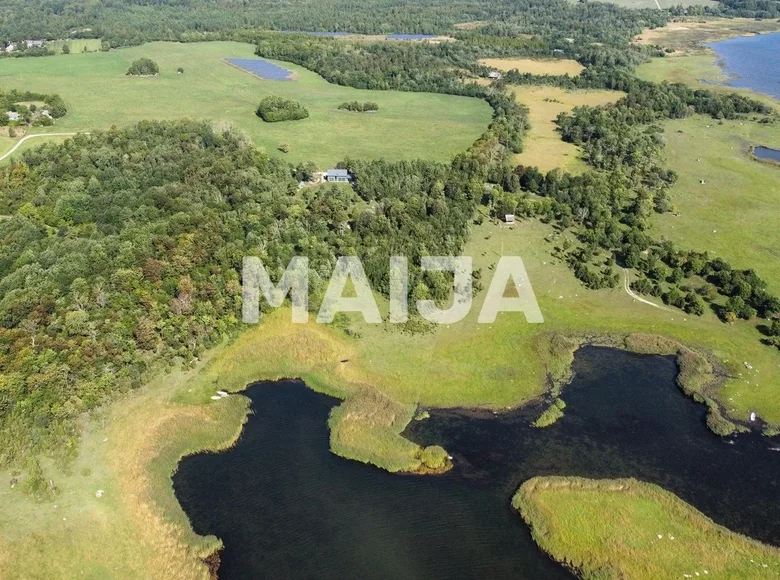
(495, 75)
(34, 43)
(509, 218)
(13, 115)
(338, 175)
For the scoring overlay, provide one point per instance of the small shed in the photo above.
(509, 218)
(495, 75)
(337, 175)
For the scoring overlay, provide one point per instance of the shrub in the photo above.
(359, 107)
(274, 109)
(143, 67)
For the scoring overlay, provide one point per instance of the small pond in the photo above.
(767, 153)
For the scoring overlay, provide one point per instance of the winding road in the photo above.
(627, 287)
(26, 137)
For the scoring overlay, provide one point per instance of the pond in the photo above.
(767, 153)
(286, 507)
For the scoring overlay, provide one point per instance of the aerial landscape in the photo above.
(398, 289)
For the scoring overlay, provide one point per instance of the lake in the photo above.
(767, 153)
(752, 61)
(286, 507)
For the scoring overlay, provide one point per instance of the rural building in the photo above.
(11, 47)
(509, 218)
(338, 175)
(495, 75)
(13, 115)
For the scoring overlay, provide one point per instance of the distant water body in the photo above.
(753, 62)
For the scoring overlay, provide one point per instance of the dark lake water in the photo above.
(285, 507)
(767, 153)
(753, 61)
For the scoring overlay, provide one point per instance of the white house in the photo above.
(13, 115)
(338, 176)
(509, 218)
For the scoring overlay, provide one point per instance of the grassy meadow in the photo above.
(535, 66)
(734, 213)
(623, 528)
(543, 146)
(99, 94)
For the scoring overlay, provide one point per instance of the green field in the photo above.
(76, 45)
(612, 529)
(99, 95)
(734, 213)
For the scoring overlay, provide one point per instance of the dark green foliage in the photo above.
(359, 107)
(273, 109)
(143, 67)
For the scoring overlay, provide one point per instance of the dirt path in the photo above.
(627, 288)
(23, 139)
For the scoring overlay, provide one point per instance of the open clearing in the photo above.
(543, 146)
(734, 213)
(99, 95)
(624, 528)
(534, 66)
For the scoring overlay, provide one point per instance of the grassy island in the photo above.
(623, 528)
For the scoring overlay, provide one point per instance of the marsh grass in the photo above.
(625, 528)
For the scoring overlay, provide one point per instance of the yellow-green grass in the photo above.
(624, 528)
(76, 45)
(136, 529)
(99, 94)
(689, 34)
(535, 66)
(543, 146)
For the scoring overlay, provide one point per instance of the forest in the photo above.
(131, 22)
(122, 251)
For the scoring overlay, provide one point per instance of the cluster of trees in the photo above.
(610, 206)
(9, 101)
(29, 113)
(273, 109)
(143, 67)
(359, 107)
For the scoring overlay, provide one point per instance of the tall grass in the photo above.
(625, 528)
